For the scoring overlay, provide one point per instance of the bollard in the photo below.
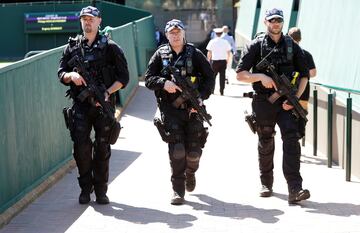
(315, 122)
(348, 137)
(330, 129)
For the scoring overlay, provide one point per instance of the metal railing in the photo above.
(330, 125)
(32, 53)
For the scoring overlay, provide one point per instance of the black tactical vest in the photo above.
(183, 63)
(96, 60)
(281, 57)
(95, 55)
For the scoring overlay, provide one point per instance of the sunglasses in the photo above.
(276, 20)
(174, 23)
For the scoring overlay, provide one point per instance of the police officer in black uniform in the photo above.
(107, 65)
(187, 133)
(287, 57)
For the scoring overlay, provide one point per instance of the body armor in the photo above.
(95, 57)
(281, 58)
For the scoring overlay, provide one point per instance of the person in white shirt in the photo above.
(229, 38)
(219, 56)
(231, 41)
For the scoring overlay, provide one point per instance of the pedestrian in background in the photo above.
(231, 41)
(226, 35)
(295, 33)
(219, 52)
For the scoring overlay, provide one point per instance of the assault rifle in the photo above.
(284, 88)
(188, 93)
(92, 89)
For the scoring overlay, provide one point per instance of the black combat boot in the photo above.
(86, 189)
(100, 192)
(266, 191)
(102, 199)
(177, 198)
(298, 195)
(190, 182)
(84, 197)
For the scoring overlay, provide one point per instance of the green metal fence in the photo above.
(34, 141)
(330, 124)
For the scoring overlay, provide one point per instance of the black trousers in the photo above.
(267, 115)
(92, 158)
(185, 149)
(219, 66)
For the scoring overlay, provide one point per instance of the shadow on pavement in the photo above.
(330, 208)
(219, 208)
(141, 215)
(313, 160)
(58, 208)
(145, 107)
(120, 160)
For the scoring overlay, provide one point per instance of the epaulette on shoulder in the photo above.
(259, 35)
(104, 40)
(73, 40)
(163, 47)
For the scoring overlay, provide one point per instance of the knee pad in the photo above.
(266, 131)
(179, 151)
(193, 156)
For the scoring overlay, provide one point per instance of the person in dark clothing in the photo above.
(186, 132)
(159, 37)
(287, 57)
(295, 33)
(105, 62)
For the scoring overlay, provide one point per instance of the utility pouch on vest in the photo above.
(114, 132)
(68, 117)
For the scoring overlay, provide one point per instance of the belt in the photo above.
(261, 96)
